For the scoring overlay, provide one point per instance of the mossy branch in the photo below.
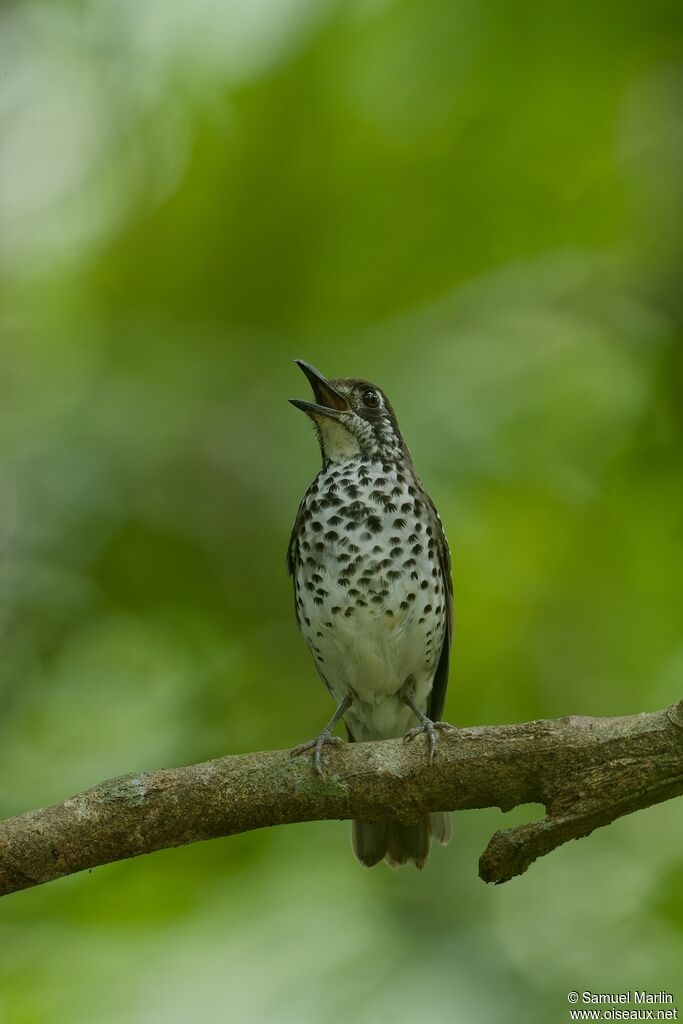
(585, 771)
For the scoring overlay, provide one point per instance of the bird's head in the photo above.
(352, 417)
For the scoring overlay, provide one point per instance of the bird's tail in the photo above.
(397, 843)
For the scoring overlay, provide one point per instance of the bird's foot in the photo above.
(432, 729)
(325, 738)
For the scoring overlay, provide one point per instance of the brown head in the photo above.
(352, 418)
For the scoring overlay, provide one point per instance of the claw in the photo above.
(432, 729)
(324, 737)
(316, 745)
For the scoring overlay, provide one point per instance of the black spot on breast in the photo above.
(428, 608)
(318, 600)
(320, 546)
(335, 520)
(351, 525)
(365, 535)
(389, 613)
(409, 562)
(356, 509)
(404, 606)
(399, 523)
(424, 585)
(414, 576)
(343, 557)
(406, 507)
(316, 525)
(377, 549)
(349, 611)
(417, 549)
(335, 609)
(395, 552)
(377, 599)
(374, 523)
(343, 581)
(393, 575)
(396, 491)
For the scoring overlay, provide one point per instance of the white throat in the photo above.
(338, 442)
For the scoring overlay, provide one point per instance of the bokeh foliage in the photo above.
(477, 205)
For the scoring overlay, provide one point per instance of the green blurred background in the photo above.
(479, 206)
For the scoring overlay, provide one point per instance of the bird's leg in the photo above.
(426, 724)
(324, 737)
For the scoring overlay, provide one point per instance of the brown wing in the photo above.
(293, 555)
(293, 546)
(437, 698)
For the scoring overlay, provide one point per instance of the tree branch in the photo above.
(585, 771)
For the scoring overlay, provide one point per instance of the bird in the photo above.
(373, 593)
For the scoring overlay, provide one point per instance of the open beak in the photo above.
(328, 401)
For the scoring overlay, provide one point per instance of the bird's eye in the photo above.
(371, 399)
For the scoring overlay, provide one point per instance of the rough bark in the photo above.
(585, 771)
